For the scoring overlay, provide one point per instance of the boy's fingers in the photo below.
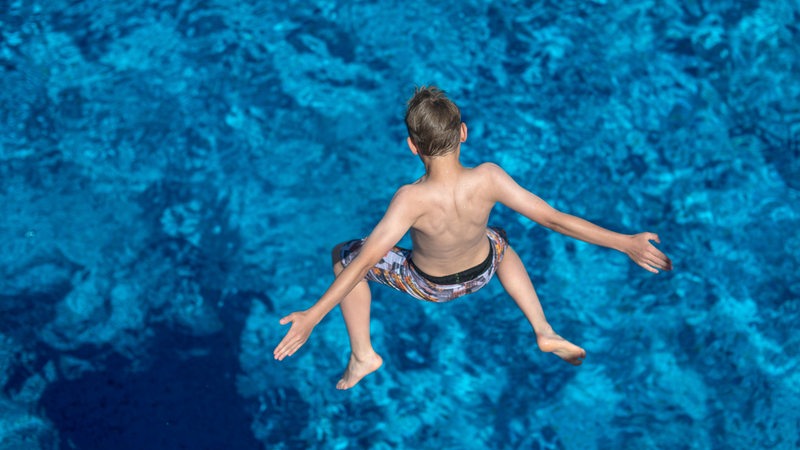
(659, 256)
(281, 347)
(289, 351)
(662, 260)
(648, 268)
(659, 259)
(282, 353)
(287, 347)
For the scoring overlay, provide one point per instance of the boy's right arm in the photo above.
(399, 217)
(637, 247)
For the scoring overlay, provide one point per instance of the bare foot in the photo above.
(358, 369)
(564, 349)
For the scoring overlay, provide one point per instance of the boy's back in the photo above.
(453, 206)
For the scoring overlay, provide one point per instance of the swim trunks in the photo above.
(398, 271)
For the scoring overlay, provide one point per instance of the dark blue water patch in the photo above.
(517, 55)
(288, 415)
(634, 164)
(786, 160)
(514, 405)
(40, 124)
(24, 364)
(36, 303)
(201, 22)
(90, 37)
(362, 413)
(776, 129)
(45, 171)
(316, 33)
(679, 46)
(267, 94)
(186, 399)
(70, 103)
(534, 241)
(7, 65)
(496, 20)
(209, 247)
(415, 342)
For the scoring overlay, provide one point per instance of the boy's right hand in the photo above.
(645, 254)
(302, 326)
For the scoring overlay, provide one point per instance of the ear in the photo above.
(412, 146)
(463, 132)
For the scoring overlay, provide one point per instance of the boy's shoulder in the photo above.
(407, 193)
(488, 167)
(489, 171)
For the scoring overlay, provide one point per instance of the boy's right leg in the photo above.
(355, 309)
(517, 283)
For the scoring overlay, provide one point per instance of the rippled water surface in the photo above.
(174, 174)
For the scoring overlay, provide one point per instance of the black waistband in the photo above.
(460, 277)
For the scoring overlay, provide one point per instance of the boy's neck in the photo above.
(444, 166)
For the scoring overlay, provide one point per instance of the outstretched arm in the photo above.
(637, 246)
(399, 217)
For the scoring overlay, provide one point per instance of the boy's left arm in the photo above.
(637, 246)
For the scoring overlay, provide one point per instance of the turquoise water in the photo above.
(174, 174)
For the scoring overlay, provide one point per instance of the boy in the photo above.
(453, 252)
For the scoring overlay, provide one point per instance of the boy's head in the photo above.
(433, 122)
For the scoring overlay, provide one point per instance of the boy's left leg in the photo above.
(356, 311)
(517, 283)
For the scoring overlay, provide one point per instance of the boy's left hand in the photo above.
(302, 326)
(645, 254)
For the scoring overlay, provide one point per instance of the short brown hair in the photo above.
(433, 122)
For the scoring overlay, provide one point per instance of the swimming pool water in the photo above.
(174, 174)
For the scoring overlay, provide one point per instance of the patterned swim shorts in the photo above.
(397, 271)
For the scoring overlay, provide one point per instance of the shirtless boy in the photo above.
(454, 252)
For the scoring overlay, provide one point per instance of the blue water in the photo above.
(174, 174)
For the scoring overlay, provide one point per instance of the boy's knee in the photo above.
(336, 258)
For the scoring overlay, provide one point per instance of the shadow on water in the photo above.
(187, 398)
